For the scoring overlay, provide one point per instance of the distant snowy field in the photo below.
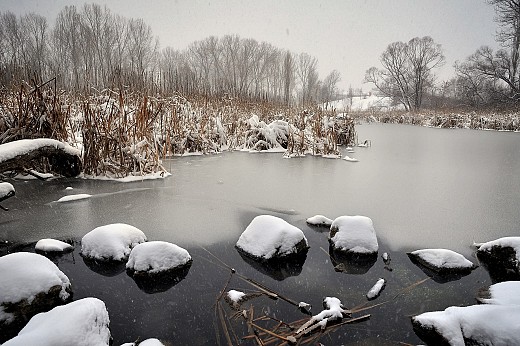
(362, 103)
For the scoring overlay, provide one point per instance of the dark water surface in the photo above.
(423, 188)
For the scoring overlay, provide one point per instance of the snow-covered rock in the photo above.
(80, 323)
(147, 342)
(319, 220)
(501, 255)
(12, 149)
(269, 237)
(52, 245)
(76, 197)
(30, 283)
(375, 291)
(156, 256)
(111, 242)
(442, 261)
(502, 293)
(6, 190)
(496, 325)
(353, 234)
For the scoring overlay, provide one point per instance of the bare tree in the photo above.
(308, 76)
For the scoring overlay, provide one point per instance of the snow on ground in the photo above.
(24, 275)
(52, 245)
(319, 220)
(375, 291)
(503, 293)
(157, 256)
(76, 197)
(269, 236)
(80, 323)
(111, 242)
(354, 234)
(483, 324)
(439, 259)
(6, 189)
(12, 149)
(235, 296)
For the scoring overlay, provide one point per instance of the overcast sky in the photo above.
(346, 35)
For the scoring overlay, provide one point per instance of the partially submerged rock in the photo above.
(278, 268)
(111, 242)
(470, 325)
(319, 220)
(81, 323)
(501, 257)
(52, 246)
(353, 235)
(351, 263)
(502, 293)
(442, 261)
(376, 290)
(29, 284)
(269, 237)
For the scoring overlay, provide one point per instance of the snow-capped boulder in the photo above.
(6, 190)
(501, 256)
(80, 323)
(502, 293)
(470, 325)
(29, 284)
(52, 245)
(156, 256)
(319, 220)
(353, 235)
(269, 237)
(442, 261)
(111, 242)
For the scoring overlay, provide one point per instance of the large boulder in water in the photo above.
(270, 238)
(29, 284)
(353, 235)
(84, 322)
(501, 257)
(442, 261)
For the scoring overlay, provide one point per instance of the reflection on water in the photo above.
(423, 188)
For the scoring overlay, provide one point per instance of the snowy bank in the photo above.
(156, 256)
(442, 261)
(30, 283)
(269, 237)
(111, 242)
(52, 245)
(80, 323)
(353, 235)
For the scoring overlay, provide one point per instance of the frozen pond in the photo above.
(423, 188)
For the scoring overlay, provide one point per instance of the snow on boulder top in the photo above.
(24, 275)
(269, 237)
(52, 245)
(319, 220)
(81, 323)
(151, 342)
(441, 259)
(506, 242)
(157, 256)
(111, 242)
(12, 149)
(6, 189)
(503, 293)
(475, 325)
(74, 197)
(354, 234)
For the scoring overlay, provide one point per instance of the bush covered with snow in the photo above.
(442, 261)
(30, 283)
(269, 237)
(111, 242)
(156, 256)
(354, 235)
(81, 323)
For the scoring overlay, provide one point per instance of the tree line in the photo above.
(485, 78)
(91, 47)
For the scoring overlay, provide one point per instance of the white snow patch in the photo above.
(5, 189)
(157, 256)
(114, 241)
(235, 296)
(80, 323)
(442, 258)
(319, 220)
(76, 197)
(354, 234)
(376, 289)
(487, 324)
(333, 311)
(24, 275)
(12, 149)
(267, 236)
(512, 242)
(68, 188)
(350, 159)
(52, 245)
(504, 293)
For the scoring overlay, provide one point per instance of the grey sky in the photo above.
(346, 35)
